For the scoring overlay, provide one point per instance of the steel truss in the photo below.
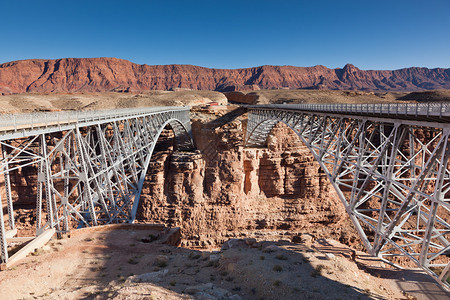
(392, 175)
(90, 169)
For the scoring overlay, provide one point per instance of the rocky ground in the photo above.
(135, 264)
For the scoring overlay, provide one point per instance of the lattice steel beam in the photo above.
(389, 165)
(90, 166)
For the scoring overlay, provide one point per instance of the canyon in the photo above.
(270, 211)
(223, 190)
(112, 74)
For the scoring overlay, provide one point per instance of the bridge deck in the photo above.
(430, 112)
(21, 125)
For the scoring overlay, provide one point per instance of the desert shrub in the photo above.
(133, 261)
(317, 271)
(277, 268)
(161, 264)
(194, 256)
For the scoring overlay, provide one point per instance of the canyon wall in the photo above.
(112, 74)
(224, 190)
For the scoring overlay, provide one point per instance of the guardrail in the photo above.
(405, 109)
(45, 119)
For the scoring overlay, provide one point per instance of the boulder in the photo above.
(234, 243)
(161, 259)
(149, 277)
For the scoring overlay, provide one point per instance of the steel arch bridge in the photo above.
(90, 166)
(389, 164)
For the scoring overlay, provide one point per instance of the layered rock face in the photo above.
(224, 190)
(112, 74)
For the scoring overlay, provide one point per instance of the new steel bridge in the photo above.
(389, 164)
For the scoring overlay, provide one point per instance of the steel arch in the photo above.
(183, 141)
(89, 166)
(391, 174)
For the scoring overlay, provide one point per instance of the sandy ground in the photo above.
(94, 101)
(123, 264)
(331, 96)
(324, 96)
(31, 102)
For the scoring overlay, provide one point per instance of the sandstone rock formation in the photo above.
(224, 190)
(239, 97)
(112, 74)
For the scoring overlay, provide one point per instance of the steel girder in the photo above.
(88, 173)
(392, 176)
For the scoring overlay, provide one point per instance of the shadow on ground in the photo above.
(415, 283)
(140, 262)
(127, 263)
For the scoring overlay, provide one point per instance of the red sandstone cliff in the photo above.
(109, 74)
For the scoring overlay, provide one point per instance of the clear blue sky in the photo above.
(372, 34)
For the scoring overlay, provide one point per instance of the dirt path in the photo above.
(126, 264)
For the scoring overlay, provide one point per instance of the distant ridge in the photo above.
(112, 74)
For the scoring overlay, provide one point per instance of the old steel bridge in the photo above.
(90, 166)
(389, 164)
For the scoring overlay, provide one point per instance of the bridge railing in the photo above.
(44, 119)
(408, 109)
